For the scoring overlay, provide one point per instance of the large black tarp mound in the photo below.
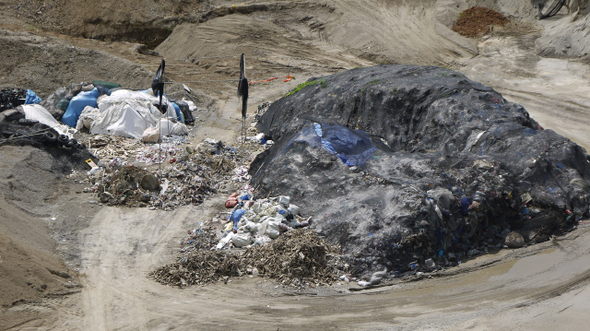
(446, 166)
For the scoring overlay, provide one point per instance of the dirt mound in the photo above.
(44, 64)
(477, 20)
(296, 257)
(30, 270)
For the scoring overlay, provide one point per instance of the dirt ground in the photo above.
(69, 264)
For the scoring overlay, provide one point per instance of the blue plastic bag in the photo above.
(32, 98)
(236, 216)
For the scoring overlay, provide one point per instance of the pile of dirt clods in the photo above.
(477, 21)
(417, 168)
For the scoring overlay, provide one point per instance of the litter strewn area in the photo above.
(266, 237)
(298, 258)
(163, 176)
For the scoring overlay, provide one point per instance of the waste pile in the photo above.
(298, 257)
(265, 237)
(417, 168)
(189, 176)
(258, 222)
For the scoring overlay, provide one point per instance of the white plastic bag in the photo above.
(242, 239)
(151, 135)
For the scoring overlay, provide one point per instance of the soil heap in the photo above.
(477, 20)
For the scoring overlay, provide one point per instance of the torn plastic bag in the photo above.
(236, 216)
(31, 98)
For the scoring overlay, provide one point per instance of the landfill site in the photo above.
(285, 165)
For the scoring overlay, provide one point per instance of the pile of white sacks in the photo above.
(258, 222)
(132, 114)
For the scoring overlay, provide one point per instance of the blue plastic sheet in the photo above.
(353, 147)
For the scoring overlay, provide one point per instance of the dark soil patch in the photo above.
(477, 20)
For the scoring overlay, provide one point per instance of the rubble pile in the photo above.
(296, 258)
(190, 174)
(477, 21)
(446, 173)
(123, 186)
(296, 255)
(200, 268)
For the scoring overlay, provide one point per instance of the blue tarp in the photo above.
(353, 147)
(83, 99)
(32, 98)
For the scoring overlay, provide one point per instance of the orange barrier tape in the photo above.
(288, 78)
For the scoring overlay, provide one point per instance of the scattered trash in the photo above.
(188, 177)
(296, 258)
(374, 280)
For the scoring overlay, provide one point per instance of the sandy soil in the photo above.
(544, 287)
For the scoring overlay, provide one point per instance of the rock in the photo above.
(514, 240)
(150, 182)
(429, 263)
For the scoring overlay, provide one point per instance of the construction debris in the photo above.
(190, 173)
(297, 258)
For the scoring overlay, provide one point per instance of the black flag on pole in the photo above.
(158, 84)
(243, 85)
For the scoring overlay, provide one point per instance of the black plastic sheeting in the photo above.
(456, 167)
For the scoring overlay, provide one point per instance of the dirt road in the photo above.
(541, 287)
(544, 287)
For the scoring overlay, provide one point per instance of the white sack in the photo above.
(151, 135)
(129, 113)
(242, 239)
(87, 117)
